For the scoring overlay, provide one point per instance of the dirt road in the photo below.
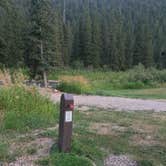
(116, 103)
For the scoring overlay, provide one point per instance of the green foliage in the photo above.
(70, 87)
(60, 159)
(3, 151)
(83, 153)
(22, 109)
(145, 163)
(86, 148)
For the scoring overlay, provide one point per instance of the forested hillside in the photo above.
(117, 34)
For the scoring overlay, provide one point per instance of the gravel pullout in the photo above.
(121, 160)
(117, 103)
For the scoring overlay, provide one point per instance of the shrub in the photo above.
(145, 163)
(133, 85)
(74, 84)
(61, 159)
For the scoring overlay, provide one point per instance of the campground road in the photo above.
(116, 103)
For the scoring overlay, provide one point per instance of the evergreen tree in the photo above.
(41, 52)
(96, 40)
(11, 36)
(148, 48)
(86, 39)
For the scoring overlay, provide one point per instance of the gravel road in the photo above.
(116, 103)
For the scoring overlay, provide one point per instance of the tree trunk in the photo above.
(45, 79)
(64, 12)
(44, 72)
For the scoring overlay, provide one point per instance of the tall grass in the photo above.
(23, 109)
(76, 84)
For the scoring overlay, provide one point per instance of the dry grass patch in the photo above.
(102, 128)
(145, 128)
(159, 117)
(5, 77)
(9, 78)
(74, 84)
(144, 140)
(106, 128)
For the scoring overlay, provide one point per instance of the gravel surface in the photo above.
(121, 160)
(116, 103)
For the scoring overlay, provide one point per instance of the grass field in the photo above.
(27, 119)
(155, 93)
(100, 133)
(138, 82)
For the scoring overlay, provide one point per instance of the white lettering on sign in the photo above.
(68, 116)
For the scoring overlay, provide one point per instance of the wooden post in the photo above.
(66, 122)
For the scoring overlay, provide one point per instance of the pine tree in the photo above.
(96, 40)
(129, 45)
(86, 39)
(138, 47)
(41, 47)
(148, 48)
(11, 36)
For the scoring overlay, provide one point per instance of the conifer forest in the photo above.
(116, 34)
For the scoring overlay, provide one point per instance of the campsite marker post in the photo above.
(66, 122)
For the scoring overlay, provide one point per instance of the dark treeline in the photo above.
(117, 34)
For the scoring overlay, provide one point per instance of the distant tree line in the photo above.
(117, 34)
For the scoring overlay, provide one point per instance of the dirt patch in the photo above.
(139, 140)
(102, 128)
(36, 132)
(41, 148)
(159, 117)
(30, 147)
(144, 128)
(106, 128)
(83, 108)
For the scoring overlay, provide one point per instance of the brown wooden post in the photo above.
(66, 122)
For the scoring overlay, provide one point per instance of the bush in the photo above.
(133, 85)
(74, 84)
(22, 109)
(145, 163)
(61, 159)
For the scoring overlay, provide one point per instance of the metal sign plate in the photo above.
(68, 116)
